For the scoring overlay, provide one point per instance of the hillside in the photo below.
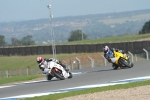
(95, 26)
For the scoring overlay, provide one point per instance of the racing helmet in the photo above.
(39, 59)
(106, 49)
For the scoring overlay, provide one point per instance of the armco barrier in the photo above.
(135, 47)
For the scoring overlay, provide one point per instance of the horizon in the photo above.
(73, 16)
(23, 10)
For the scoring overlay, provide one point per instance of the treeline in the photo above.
(27, 40)
(145, 29)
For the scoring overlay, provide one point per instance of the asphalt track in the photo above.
(88, 76)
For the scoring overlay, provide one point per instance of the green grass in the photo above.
(111, 39)
(15, 79)
(90, 91)
(14, 62)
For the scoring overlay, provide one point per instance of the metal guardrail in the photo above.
(147, 55)
(105, 61)
(131, 56)
(79, 63)
(92, 61)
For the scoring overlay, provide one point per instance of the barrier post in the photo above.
(18, 71)
(92, 61)
(28, 70)
(9, 74)
(72, 62)
(79, 63)
(66, 64)
(105, 64)
(147, 56)
(131, 55)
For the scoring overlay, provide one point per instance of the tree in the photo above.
(2, 40)
(27, 40)
(77, 35)
(146, 28)
(15, 42)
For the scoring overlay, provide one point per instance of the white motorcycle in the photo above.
(56, 70)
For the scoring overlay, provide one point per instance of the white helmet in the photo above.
(106, 49)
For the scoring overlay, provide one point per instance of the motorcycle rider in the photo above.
(43, 64)
(109, 52)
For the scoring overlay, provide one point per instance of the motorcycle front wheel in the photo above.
(58, 74)
(124, 62)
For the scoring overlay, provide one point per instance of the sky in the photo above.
(21, 10)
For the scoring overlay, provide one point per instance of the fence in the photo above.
(134, 47)
(19, 72)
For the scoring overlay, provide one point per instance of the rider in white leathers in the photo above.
(43, 64)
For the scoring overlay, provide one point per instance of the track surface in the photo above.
(89, 76)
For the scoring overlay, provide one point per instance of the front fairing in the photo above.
(55, 66)
(118, 55)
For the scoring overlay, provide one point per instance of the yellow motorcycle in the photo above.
(120, 60)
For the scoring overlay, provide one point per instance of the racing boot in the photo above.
(66, 69)
(114, 66)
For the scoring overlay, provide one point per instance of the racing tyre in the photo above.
(114, 67)
(49, 77)
(124, 62)
(58, 74)
(70, 75)
(132, 64)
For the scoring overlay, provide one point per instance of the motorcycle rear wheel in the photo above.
(114, 67)
(49, 77)
(70, 75)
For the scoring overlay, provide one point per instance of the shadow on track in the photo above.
(107, 70)
(100, 70)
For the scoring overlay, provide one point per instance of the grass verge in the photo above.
(16, 79)
(89, 91)
(126, 38)
(16, 62)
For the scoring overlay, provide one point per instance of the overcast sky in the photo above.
(20, 10)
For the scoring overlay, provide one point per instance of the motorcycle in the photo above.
(121, 60)
(56, 70)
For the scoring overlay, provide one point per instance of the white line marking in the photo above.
(81, 87)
